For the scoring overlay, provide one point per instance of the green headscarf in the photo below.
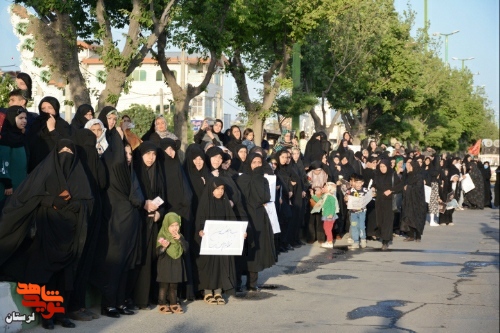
(174, 250)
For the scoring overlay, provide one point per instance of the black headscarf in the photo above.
(236, 162)
(210, 208)
(383, 181)
(27, 80)
(104, 114)
(178, 191)
(40, 140)
(197, 178)
(11, 135)
(79, 119)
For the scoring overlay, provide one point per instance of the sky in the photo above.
(478, 37)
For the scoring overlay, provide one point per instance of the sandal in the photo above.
(165, 309)
(176, 308)
(210, 299)
(220, 301)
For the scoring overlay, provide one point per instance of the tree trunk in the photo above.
(114, 85)
(56, 45)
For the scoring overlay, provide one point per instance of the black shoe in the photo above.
(253, 289)
(283, 250)
(48, 324)
(124, 310)
(239, 289)
(110, 312)
(289, 247)
(296, 246)
(64, 322)
(130, 305)
(302, 243)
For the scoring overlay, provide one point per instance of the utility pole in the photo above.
(162, 107)
(296, 82)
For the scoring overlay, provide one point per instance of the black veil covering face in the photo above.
(214, 271)
(79, 120)
(40, 140)
(57, 195)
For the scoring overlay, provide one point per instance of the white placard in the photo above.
(427, 190)
(467, 183)
(272, 186)
(358, 203)
(223, 238)
(273, 217)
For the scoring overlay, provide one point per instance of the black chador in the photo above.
(58, 197)
(215, 272)
(152, 186)
(255, 190)
(117, 251)
(178, 200)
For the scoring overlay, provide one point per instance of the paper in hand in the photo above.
(158, 201)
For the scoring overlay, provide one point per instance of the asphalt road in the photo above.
(447, 283)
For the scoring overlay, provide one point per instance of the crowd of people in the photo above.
(91, 203)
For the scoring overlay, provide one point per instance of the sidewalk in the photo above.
(447, 283)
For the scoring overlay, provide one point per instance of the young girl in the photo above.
(317, 177)
(248, 138)
(329, 208)
(171, 267)
(217, 274)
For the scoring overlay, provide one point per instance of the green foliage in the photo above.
(7, 84)
(142, 116)
(296, 104)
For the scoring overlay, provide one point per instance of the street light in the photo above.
(463, 60)
(445, 42)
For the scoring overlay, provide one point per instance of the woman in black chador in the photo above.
(255, 190)
(474, 199)
(386, 183)
(217, 274)
(152, 184)
(178, 200)
(46, 131)
(84, 113)
(413, 210)
(86, 142)
(58, 197)
(117, 251)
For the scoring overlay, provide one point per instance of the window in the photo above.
(139, 75)
(159, 76)
(217, 78)
(197, 107)
(208, 107)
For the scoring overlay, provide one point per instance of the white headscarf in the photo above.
(102, 143)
